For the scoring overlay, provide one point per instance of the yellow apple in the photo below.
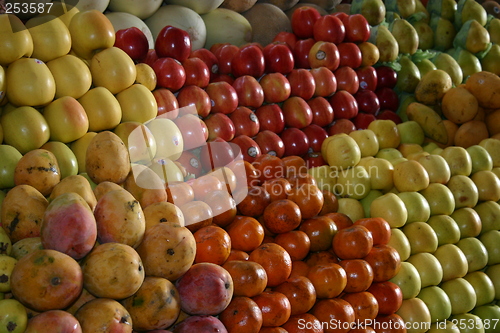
(64, 11)
(487, 184)
(137, 103)
(410, 149)
(381, 173)
(490, 240)
(389, 154)
(468, 323)
(79, 148)
(16, 41)
(440, 199)
(410, 176)
(461, 293)
(30, 83)
(351, 207)
(145, 76)
(417, 207)
(453, 261)
(437, 302)
(367, 142)
(168, 137)
(342, 152)
(437, 168)
(416, 156)
(353, 183)
(428, 267)
(325, 177)
(398, 160)
(483, 287)
(458, 159)
(387, 133)
(66, 159)
(112, 69)
(481, 159)
(421, 236)
(90, 31)
(367, 201)
(67, 119)
(430, 147)
(24, 128)
(464, 191)
(102, 108)
(493, 148)
(415, 314)
(72, 76)
(446, 229)
(400, 242)
(489, 214)
(468, 221)
(51, 37)
(411, 132)
(391, 208)
(408, 280)
(138, 139)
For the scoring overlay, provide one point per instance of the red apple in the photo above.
(362, 120)
(223, 97)
(150, 57)
(215, 154)
(133, 41)
(249, 149)
(297, 112)
(193, 129)
(329, 28)
(169, 73)
(341, 15)
(191, 163)
(324, 54)
(245, 121)
(314, 159)
(316, 135)
(347, 79)
(276, 87)
(173, 42)
(344, 105)
(350, 55)
(289, 38)
(357, 29)
(195, 96)
(303, 20)
(386, 77)
(367, 101)
(278, 57)
(271, 118)
(388, 98)
(225, 55)
(219, 126)
(197, 72)
(295, 141)
(208, 58)
(301, 52)
(322, 111)
(249, 60)
(390, 115)
(341, 126)
(302, 83)
(222, 78)
(367, 77)
(325, 81)
(168, 105)
(249, 91)
(270, 143)
(216, 46)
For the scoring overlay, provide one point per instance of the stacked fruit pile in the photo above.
(330, 173)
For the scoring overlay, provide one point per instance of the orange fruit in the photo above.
(281, 216)
(275, 308)
(246, 233)
(295, 242)
(275, 260)
(213, 244)
(329, 280)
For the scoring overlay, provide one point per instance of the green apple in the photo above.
(493, 148)
(381, 173)
(67, 119)
(415, 314)
(481, 159)
(389, 154)
(468, 323)
(411, 132)
(458, 159)
(386, 132)
(430, 147)
(341, 152)
(489, 213)
(24, 128)
(446, 229)
(391, 208)
(352, 208)
(421, 236)
(13, 316)
(437, 302)
(461, 293)
(475, 252)
(468, 222)
(66, 159)
(400, 242)
(490, 316)
(453, 261)
(353, 183)
(488, 185)
(408, 280)
(490, 240)
(418, 208)
(367, 201)
(465, 192)
(440, 199)
(367, 142)
(437, 168)
(483, 287)
(444, 326)
(10, 157)
(493, 272)
(428, 267)
(325, 177)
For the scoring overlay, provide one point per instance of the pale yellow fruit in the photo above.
(145, 76)
(137, 104)
(72, 76)
(410, 176)
(102, 108)
(51, 37)
(112, 69)
(386, 132)
(67, 119)
(16, 41)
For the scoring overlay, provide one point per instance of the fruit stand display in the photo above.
(250, 166)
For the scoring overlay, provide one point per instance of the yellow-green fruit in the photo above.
(16, 41)
(444, 33)
(432, 87)
(425, 35)
(51, 37)
(13, 316)
(490, 61)
(406, 36)
(447, 63)
(386, 43)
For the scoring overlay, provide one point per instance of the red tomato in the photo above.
(329, 28)
(344, 105)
